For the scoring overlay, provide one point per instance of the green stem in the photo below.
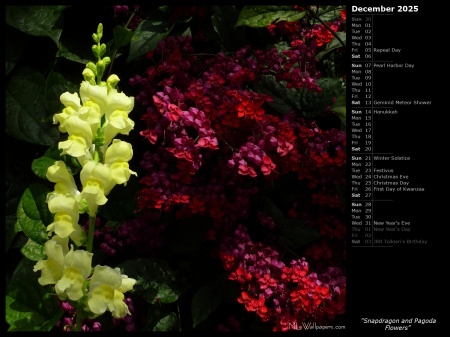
(79, 322)
(90, 239)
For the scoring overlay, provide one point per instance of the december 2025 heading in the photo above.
(385, 9)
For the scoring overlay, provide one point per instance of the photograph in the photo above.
(185, 169)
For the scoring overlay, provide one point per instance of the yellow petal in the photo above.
(127, 284)
(63, 225)
(65, 183)
(70, 285)
(80, 260)
(70, 100)
(52, 268)
(118, 151)
(100, 299)
(120, 307)
(64, 203)
(106, 275)
(74, 146)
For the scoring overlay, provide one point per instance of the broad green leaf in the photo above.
(33, 251)
(295, 234)
(283, 99)
(334, 44)
(67, 51)
(327, 13)
(339, 106)
(122, 36)
(17, 227)
(33, 214)
(205, 301)
(59, 82)
(147, 36)
(263, 16)
(40, 165)
(313, 103)
(36, 20)
(15, 44)
(25, 108)
(167, 323)
(156, 282)
(28, 304)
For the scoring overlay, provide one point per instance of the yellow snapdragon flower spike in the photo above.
(106, 291)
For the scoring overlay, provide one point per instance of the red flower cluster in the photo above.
(216, 146)
(279, 293)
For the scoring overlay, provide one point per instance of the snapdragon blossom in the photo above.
(91, 119)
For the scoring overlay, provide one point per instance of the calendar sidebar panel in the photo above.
(396, 180)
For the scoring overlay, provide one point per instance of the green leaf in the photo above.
(339, 106)
(25, 108)
(327, 13)
(122, 37)
(167, 323)
(295, 234)
(205, 301)
(155, 280)
(71, 53)
(58, 82)
(28, 306)
(36, 20)
(147, 36)
(33, 251)
(334, 44)
(40, 165)
(263, 16)
(313, 103)
(33, 214)
(17, 227)
(283, 99)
